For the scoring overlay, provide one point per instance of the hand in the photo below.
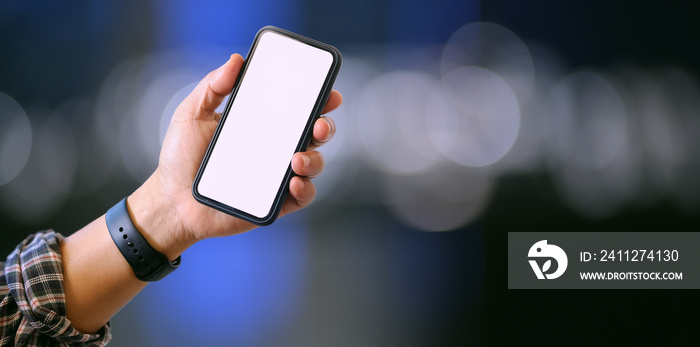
(164, 208)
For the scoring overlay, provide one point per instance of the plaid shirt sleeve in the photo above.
(33, 306)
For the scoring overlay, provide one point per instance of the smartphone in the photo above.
(280, 92)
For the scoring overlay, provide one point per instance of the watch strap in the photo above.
(148, 264)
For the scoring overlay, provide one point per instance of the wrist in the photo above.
(157, 220)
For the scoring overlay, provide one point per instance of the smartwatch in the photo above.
(148, 264)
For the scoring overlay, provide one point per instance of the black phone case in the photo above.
(303, 141)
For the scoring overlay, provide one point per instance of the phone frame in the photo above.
(302, 144)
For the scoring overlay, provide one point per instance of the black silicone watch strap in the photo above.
(148, 264)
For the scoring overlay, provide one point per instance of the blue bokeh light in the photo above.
(237, 289)
(218, 23)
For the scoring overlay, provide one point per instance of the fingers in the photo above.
(323, 131)
(309, 164)
(334, 100)
(303, 191)
(324, 128)
(218, 84)
(213, 89)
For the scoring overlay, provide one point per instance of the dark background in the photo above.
(368, 276)
(592, 34)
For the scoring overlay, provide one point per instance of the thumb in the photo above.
(213, 89)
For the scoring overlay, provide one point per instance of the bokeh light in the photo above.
(528, 153)
(588, 134)
(57, 155)
(444, 198)
(476, 120)
(15, 138)
(683, 104)
(155, 80)
(588, 123)
(493, 47)
(391, 124)
(95, 160)
(658, 143)
(47, 179)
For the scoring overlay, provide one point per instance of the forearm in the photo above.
(98, 281)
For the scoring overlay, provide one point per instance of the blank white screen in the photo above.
(265, 123)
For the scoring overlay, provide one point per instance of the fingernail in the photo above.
(307, 160)
(331, 128)
(327, 138)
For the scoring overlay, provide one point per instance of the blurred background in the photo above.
(462, 121)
